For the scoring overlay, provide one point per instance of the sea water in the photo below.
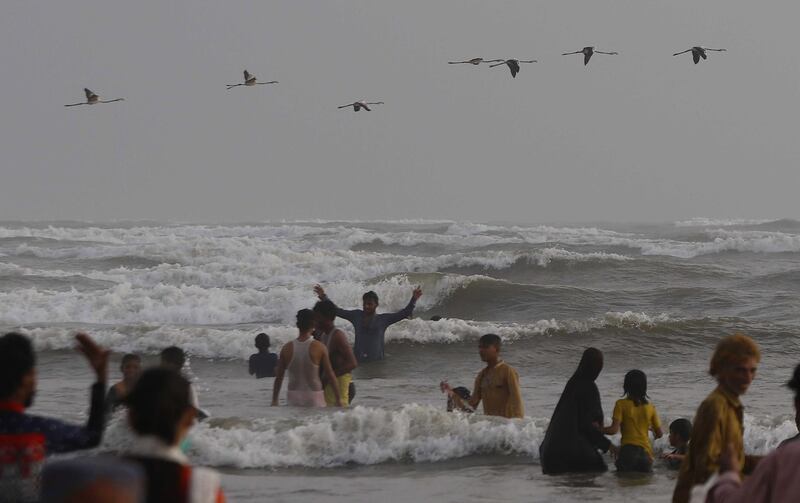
(654, 297)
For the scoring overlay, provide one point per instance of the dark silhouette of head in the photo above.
(173, 357)
(591, 364)
(262, 342)
(305, 320)
(158, 403)
(130, 366)
(326, 309)
(682, 428)
(635, 386)
(17, 368)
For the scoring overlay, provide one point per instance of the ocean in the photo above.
(651, 296)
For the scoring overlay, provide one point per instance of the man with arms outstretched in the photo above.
(370, 328)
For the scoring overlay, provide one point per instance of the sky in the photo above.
(642, 136)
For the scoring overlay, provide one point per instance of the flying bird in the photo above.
(698, 52)
(474, 61)
(358, 105)
(92, 99)
(587, 54)
(250, 80)
(513, 64)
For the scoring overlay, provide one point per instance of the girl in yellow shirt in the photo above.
(636, 416)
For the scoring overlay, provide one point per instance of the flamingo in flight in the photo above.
(587, 54)
(474, 61)
(513, 64)
(250, 80)
(92, 99)
(698, 52)
(358, 105)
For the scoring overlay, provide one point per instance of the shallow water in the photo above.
(654, 297)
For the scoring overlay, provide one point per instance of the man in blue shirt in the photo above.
(370, 328)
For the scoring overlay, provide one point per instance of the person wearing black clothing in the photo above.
(26, 440)
(574, 435)
(263, 363)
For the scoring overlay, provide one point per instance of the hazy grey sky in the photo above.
(639, 136)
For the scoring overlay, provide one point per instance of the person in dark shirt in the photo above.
(25, 440)
(370, 328)
(263, 363)
(131, 367)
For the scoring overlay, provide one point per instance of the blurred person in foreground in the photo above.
(25, 439)
(719, 419)
(160, 413)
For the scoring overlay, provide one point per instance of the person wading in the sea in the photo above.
(370, 328)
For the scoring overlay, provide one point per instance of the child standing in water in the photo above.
(636, 416)
(680, 431)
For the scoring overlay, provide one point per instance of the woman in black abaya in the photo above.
(574, 435)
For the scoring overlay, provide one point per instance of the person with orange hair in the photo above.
(718, 422)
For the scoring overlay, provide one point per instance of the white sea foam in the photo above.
(237, 342)
(720, 222)
(368, 436)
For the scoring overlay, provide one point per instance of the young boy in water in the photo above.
(497, 385)
(263, 363)
(174, 358)
(680, 431)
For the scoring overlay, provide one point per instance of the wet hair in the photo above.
(681, 427)
(173, 356)
(436, 318)
(262, 341)
(490, 340)
(731, 350)
(794, 384)
(326, 309)
(157, 402)
(591, 364)
(129, 357)
(462, 392)
(370, 296)
(635, 387)
(305, 319)
(17, 358)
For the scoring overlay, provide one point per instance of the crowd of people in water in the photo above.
(162, 407)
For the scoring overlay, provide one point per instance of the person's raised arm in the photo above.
(98, 360)
(329, 374)
(62, 437)
(343, 348)
(349, 315)
(282, 362)
(404, 313)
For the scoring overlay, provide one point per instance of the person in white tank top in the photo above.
(303, 358)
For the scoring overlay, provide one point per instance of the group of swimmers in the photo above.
(162, 407)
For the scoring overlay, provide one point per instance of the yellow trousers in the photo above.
(343, 382)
